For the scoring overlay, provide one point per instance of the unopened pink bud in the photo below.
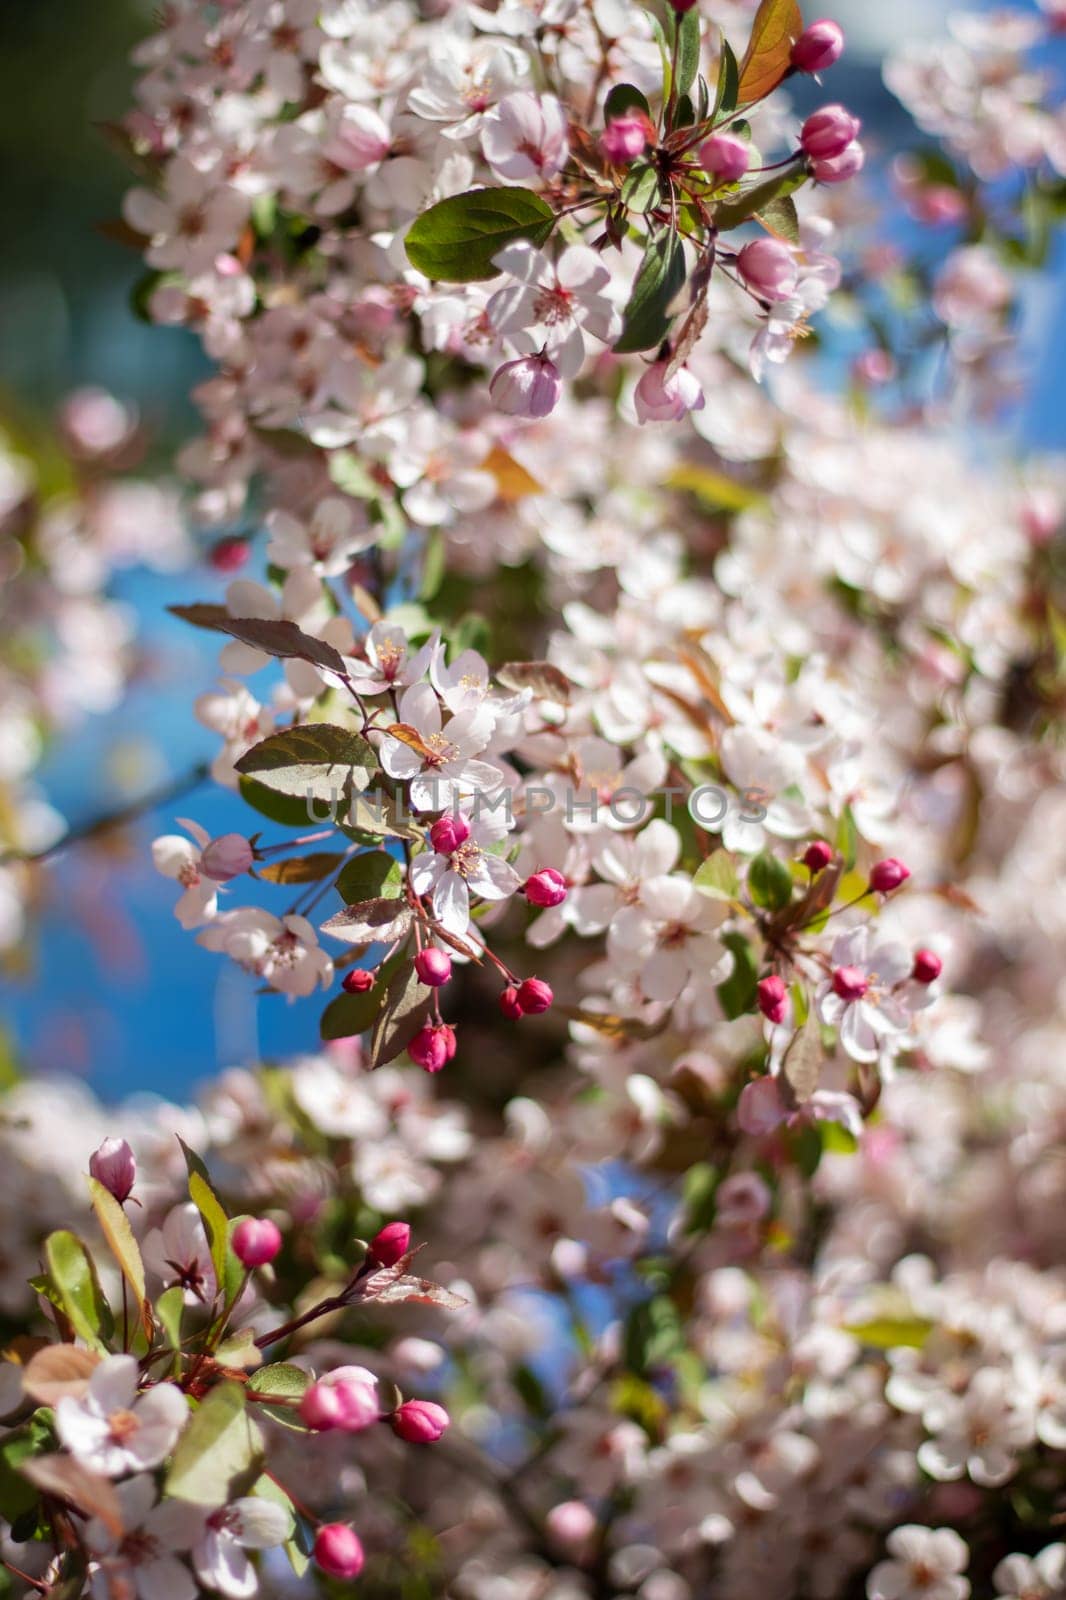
(828, 132)
(528, 387)
(927, 966)
(818, 46)
(888, 874)
(346, 1399)
(339, 1550)
(838, 169)
(817, 855)
(419, 1421)
(113, 1166)
(509, 1003)
(391, 1243)
(625, 138)
(681, 6)
(570, 1525)
(772, 998)
(229, 555)
(725, 157)
(534, 996)
(850, 983)
(449, 833)
(433, 967)
(768, 268)
(256, 1241)
(226, 857)
(358, 981)
(665, 396)
(432, 1047)
(545, 888)
(873, 368)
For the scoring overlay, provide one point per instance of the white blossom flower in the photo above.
(925, 1564)
(115, 1429)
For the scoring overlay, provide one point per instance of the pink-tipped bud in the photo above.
(888, 874)
(725, 157)
(226, 857)
(256, 1241)
(528, 387)
(346, 1399)
(838, 169)
(534, 996)
(681, 6)
(768, 268)
(545, 888)
(509, 1003)
(817, 855)
(391, 1243)
(434, 968)
(113, 1166)
(432, 1047)
(818, 46)
(230, 555)
(850, 983)
(828, 132)
(772, 997)
(625, 138)
(339, 1550)
(358, 981)
(449, 833)
(927, 966)
(665, 396)
(419, 1421)
(571, 1525)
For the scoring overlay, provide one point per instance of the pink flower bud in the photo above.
(509, 1003)
(391, 1243)
(818, 46)
(681, 6)
(449, 833)
(339, 1550)
(725, 157)
(817, 855)
(828, 132)
(772, 998)
(419, 1421)
(346, 1398)
(570, 1525)
(256, 1241)
(927, 966)
(625, 138)
(113, 1166)
(873, 368)
(358, 981)
(528, 387)
(229, 555)
(888, 874)
(664, 396)
(432, 1047)
(850, 983)
(768, 268)
(838, 169)
(545, 888)
(434, 968)
(534, 996)
(226, 857)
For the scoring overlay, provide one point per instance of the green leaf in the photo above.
(433, 565)
(757, 197)
(169, 1309)
(316, 761)
(282, 1381)
(713, 489)
(700, 1193)
(17, 1494)
(777, 24)
(659, 281)
(218, 1452)
(728, 89)
(282, 808)
(688, 51)
(117, 1231)
(73, 1276)
(769, 882)
(653, 1334)
(455, 240)
(282, 639)
(228, 1270)
(847, 838)
(372, 875)
(352, 476)
(717, 876)
(782, 218)
(267, 1489)
(640, 187)
(351, 1014)
(737, 993)
(624, 97)
(406, 1009)
(892, 1333)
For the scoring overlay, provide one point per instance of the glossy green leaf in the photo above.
(316, 761)
(372, 875)
(219, 1452)
(73, 1276)
(659, 281)
(456, 240)
(717, 876)
(737, 993)
(769, 882)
